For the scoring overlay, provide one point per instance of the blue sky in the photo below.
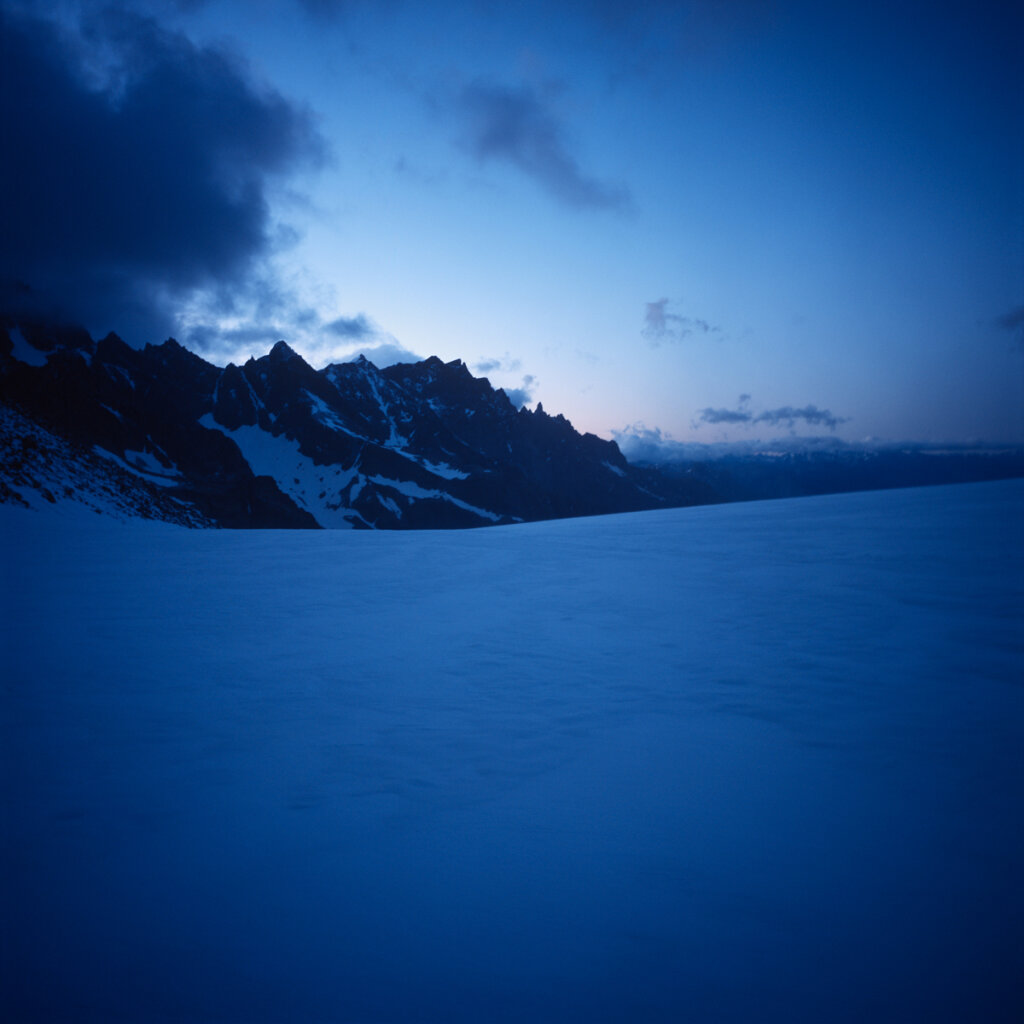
(716, 220)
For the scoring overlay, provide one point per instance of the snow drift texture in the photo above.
(735, 763)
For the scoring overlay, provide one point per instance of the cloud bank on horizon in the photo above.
(359, 178)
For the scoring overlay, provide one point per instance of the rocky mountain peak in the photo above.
(282, 351)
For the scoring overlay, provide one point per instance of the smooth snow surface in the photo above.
(759, 762)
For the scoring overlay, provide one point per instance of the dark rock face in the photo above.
(275, 443)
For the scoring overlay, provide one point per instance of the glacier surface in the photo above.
(759, 762)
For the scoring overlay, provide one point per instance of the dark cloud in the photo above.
(725, 416)
(657, 319)
(522, 395)
(517, 126)
(262, 311)
(213, 341)
(136, 171)
(810, 414)
(505, 364)
(278, 317)
(662, 327)
(351, 328)
(785, 416)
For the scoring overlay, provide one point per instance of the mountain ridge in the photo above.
(160, 432)
(275, 442)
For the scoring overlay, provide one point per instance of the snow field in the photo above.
(746, 762)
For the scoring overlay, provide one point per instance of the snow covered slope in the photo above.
(39, 468)
(754, 762)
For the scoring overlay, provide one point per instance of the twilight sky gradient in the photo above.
(716, 220)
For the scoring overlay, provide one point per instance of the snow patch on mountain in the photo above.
(441, 469)
(144, 464)
(317, 489)
(24, 351)
(396, 439)
(42, 471)
(413, 490)
(324, 414)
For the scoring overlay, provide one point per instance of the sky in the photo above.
(673, 222)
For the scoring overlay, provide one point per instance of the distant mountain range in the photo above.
(799, 467)
(161, 433)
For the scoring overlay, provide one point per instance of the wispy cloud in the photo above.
(1013, 321)
(351, 328)
(662, 327)
(517, 126)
